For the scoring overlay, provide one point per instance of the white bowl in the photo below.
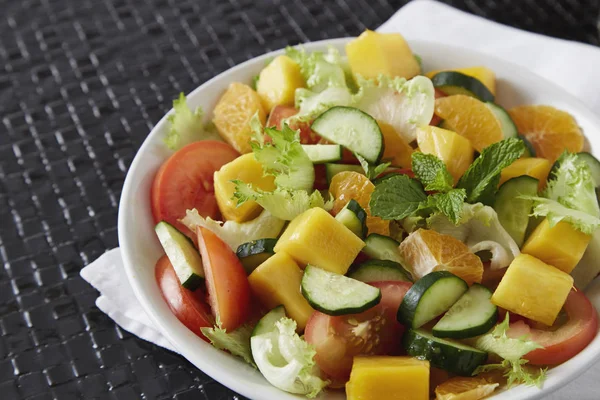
(141, 249)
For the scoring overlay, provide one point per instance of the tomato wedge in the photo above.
(189, 307)
(185, 181)
(226, 281)
(279, 113)
(376, 331)
(578, 327)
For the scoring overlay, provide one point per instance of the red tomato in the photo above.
(376, 331)
(279, 113)
(320, 177)
(185, 181)
(189, 307)
(226, 281)
(568, 339)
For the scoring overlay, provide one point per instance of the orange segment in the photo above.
(233, 112)
(349, 185)
(550, 131)
(396, 150)
(465, 388)
(470, 118)
(428, 251)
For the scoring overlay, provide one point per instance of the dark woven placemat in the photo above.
(81, 84)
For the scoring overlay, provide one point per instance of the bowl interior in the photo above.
(141, 249)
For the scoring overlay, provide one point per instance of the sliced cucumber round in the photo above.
(186, 260)
(379, 271)
(529, 150)
(335, 294)
(513, 212)
(472, 315)
(430, 297)
(382, 247)
(266, 323)
(451, 356)
(353, 217)
(353, 129)
(453, 82)
(254, 253)
(323, 153)
(509, 129)
(332, 169)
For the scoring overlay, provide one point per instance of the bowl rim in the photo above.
(565, 372)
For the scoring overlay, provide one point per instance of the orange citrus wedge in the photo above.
(550, 131)
(428, 251)
(349, 185)
(465, 388)
(470, 118)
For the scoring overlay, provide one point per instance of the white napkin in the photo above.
(572, 65)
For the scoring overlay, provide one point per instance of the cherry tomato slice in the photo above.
(279, 113)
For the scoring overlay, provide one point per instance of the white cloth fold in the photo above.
(571, 65)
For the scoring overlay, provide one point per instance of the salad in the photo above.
(351, 222)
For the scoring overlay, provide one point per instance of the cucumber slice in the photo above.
(513, 212)
(332, 169)
(472, 315)
(354, 218)
(529, 150)
(509, 129)
(449, 355)
(335, 294)
(430, 297)
(186, 260)
(382, 247)
(353, 129)
(266, 323)
(380, 270)
(453, 82)
(254, 253)
(323, 153)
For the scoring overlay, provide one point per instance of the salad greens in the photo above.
(236, 342)
(186, 125)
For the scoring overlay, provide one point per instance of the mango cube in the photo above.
(533, 289)
(538, 168)
(315, 237)
(450, 147)
(248, 170)
(277, 282)
(482, 74)
(396, 150)
(277, 83)
(373, 53)
(561, 246)
(390, 378)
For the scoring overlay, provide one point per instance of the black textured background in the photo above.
(81, 84)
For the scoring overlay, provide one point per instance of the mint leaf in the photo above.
(450, 204)
(481, 179)
(432, 172)
(397, 197)
(371, 171)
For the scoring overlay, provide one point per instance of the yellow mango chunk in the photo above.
(482, 74)
(390, 378)
(450, 147)
(373, 53)
(277, 83)
(315, 237)
(277, 282)
(233, 113)
(538, 168)
(248, 170)
(396, 150)
(561, 246)
(533, 289)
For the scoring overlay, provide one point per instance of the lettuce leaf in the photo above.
(312, 104)
(286, 360)
(320, 70)
(281, 203)
(512, 351)
(236, 233)
(186, 125)
(236, 342)
(480, 229)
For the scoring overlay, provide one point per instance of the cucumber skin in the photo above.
(256, 247)
(361, 214)
(375, 253)
(409, 305)
(505, 206)
(475, 87)
(263, 325)
(459, 361)
(338, 312)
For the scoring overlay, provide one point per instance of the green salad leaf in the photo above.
(432, 172)
(236, 342)
(397, 197)
(483, 176)
(186, 125)
(371, 171)
(320, 70)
